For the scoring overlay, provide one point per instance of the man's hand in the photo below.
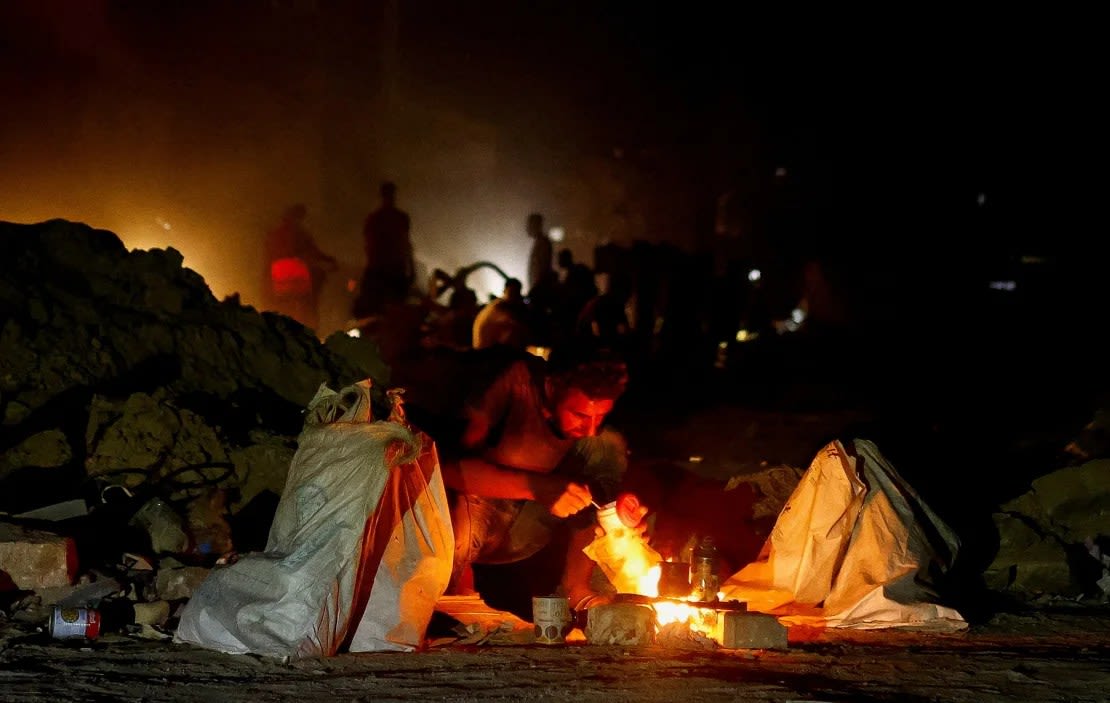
(631, 513)
(630, 510)
(562, 498)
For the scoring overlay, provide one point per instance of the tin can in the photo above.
(74, 623)
(551, 615)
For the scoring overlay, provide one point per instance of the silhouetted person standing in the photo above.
(540, 259)
(296, 268)
(543, 282)
(576, 285)
(389, 260)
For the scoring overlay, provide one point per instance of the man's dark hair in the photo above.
(598, 379)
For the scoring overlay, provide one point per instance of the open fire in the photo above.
(701, 616)
(685, 593)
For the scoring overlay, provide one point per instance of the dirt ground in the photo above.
(1036, 656)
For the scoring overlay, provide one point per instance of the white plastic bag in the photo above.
(854, 547)
(359, 551)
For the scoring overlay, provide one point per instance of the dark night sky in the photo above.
(618, 120)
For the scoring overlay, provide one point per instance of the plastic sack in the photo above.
(359, 551)
(854, 547)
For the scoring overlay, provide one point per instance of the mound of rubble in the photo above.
(124, 381)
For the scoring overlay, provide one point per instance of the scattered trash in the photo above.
(57, 512)
(164, 525)
(74, 623)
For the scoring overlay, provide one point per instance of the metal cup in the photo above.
(674, 579)
(551, 616)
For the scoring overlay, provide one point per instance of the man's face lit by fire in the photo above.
(577, 415)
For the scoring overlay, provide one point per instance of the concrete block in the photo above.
(36, 559)
(620, 623)
(179, 584)
(752, 631)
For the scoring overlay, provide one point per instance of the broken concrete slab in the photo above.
(36, 559)
(752, 631)
(620, 623)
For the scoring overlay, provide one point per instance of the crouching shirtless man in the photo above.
(533, 460)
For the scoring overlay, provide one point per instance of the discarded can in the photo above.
(74, 623)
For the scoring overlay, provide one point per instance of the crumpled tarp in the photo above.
(854, 547)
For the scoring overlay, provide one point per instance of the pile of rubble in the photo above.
(1054, 540)
(140, 415)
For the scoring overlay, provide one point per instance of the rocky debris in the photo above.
(129, 391)
(178, 583)
(621, 624)
(33, 559)
(677, 635)
(120, 368)
(773, 487)
(1052, 539)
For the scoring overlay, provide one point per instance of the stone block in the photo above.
(179, 584)
(620, 623)
(36, 559)
(752, 631)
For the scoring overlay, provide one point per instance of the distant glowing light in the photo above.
(747, 335)
(557, 234)
(354, 332)
(981, 199)
(1032, 259)
(163, 224)
(780, 172)
(755, 275)
(798, 316)
(1004, 285)
(542, 352)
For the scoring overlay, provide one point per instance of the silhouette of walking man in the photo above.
(390, 268)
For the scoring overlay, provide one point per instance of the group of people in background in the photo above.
(561, 304)
(563, 307)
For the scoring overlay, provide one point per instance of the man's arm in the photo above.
(476, 476)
